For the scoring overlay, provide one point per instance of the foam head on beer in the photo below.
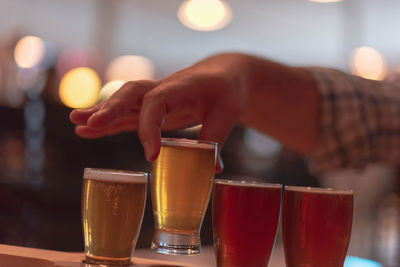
(115, 175)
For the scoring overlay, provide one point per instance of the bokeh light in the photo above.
(29, 51)
(325, 1)
(76, 57)
(14, 98)
(49, 57)
(261, 144)
(31, 80)
(79, 88)
(205, 15)
(130, 68)
(110, 88)
(368, 63)
(360, 262)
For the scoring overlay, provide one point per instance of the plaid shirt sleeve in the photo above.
(359, 121)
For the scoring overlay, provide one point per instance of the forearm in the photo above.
(359, 121)
(282, 102)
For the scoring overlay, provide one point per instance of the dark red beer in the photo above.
(316, 226)
(245, 217)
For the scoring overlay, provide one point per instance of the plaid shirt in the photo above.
(359, 121)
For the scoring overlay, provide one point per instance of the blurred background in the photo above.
(59, 55)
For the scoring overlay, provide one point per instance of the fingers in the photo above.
(80, 116)
(168, 106)
(152, 116)
(127, 98)
(146, 105)
(216, 127)
(125, 124)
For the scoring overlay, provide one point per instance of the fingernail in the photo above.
(148, 151)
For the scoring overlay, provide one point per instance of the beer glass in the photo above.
(181, 182)
(245, 217)
(316, 226)
(113, 202)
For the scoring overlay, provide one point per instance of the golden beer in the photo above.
(113, 202)
(181, 182)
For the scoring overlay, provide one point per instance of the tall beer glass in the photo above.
(181, 182)
(113, 202)
(245, 218)
(316, 226)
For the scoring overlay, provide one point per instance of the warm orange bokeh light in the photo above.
(29, 51)
(368, 63)
(110, 88)
(130, 68)
(204, 15)
(79, 88)
(77, 57)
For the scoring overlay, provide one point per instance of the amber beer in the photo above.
(316, 226)
(113, 202)
(181, 183)
(245, 218)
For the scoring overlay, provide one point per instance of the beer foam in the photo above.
(318, 190)
(111, 175)
(183, 142)
(247, 183)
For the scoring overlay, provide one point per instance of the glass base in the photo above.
(104, 261)
(175, 244)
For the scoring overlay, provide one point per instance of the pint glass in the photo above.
(113, 202)
(245, 217)
(316, 226)
(181, 183)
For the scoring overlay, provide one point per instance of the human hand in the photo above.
(208, 93)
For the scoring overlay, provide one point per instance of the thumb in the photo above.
(216, 128)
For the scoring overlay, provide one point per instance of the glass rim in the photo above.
(318, 190)
(188, 142)
(247, 183)
(115, 175)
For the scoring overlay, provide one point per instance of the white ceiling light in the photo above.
(29, 51)
(205, 15)
(130, 68)
(368, 63)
